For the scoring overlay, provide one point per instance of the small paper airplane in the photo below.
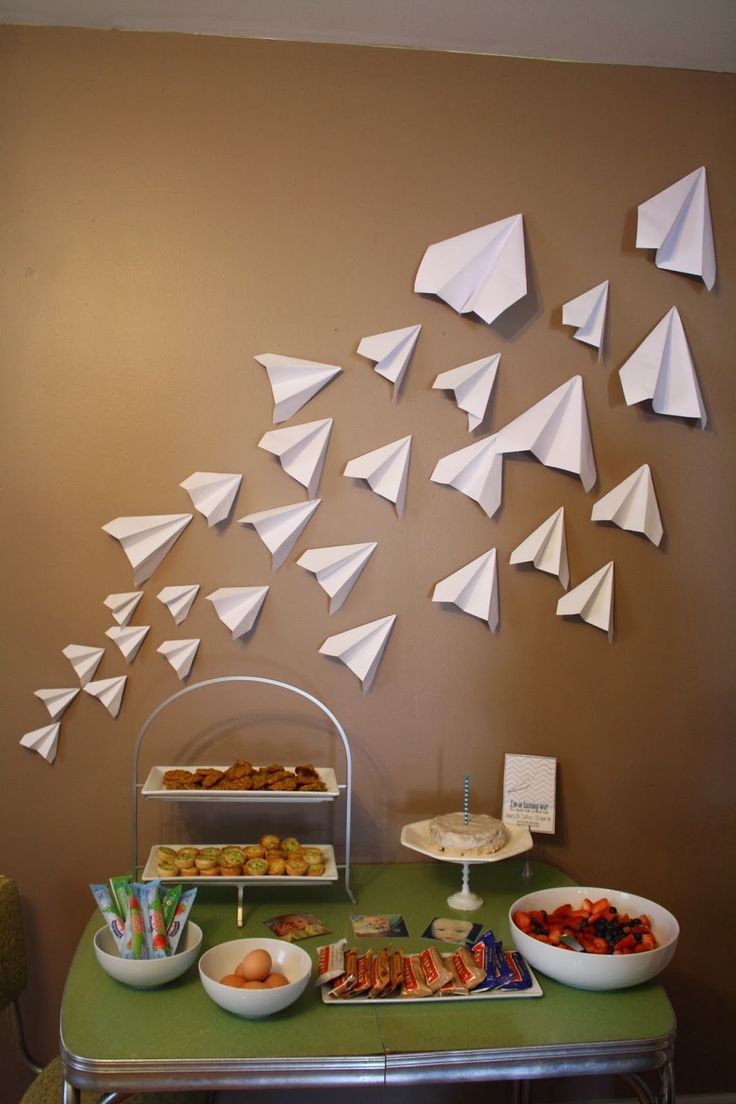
(294, 382)
(662, 369)
(213, 493)
(386, 470)
(556, 431)
(279, 529)
(178, 600)
(483, 270)
(337, 568)
(146, 540)
(632, 505)
(473, 589)
(392, 352)
(592, 600)
(56, 701)
(588, 313)
(546, 548)
(676, 222)
(109, 692)
(44, 741)
(472, 384)
(123, 606)
(476, 471)
(301, 450)
(180, 654)
(238, 607)
(361, 649)
(84, 659)
(128, 639)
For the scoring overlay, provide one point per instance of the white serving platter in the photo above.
(535, 990)
(154, 787)
(150, 871)
(417, 838)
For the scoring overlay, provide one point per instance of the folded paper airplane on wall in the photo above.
(337, 568)
(279, 529)
(128, 639)
(180, 654)
(386, 471)
(473, 589)
(472, 385)
(301, 450)
(213, 493)
(123, 606)
(392, 352)
(238, 607)
(546, 548)
(632, 505)
(676, 222)
(592, 600)
(84, 659)
(56, 701)
(662, 369)
(146, 540)
(475, 471)
(178, 600)
(44, 741)
(108, 691)
(294, 382)
(588, 313)
(361, 649)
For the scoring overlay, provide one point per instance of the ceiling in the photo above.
(682, 34)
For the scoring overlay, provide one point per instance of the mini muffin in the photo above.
(231, 871)
(254, 851)
(315, 870)
(232, 856)
(312, 855)
(165, 854)
(188, 872)
(290, 844)
(256, 868)
(184, 858)
(270, 842)
(276, 865)
(296, 867)
(208, 858)
(167, 869)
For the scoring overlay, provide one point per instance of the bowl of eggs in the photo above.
(147, 973)
(255, 977)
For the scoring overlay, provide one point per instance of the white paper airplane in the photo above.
(279, 529)
(556, 431)
(472, 385)
(294, 382)
(109, 692)
(213, 493)
(56, 701)
(632, 505)
(128, 639)
(592, 600)
(476, 471)
(473, 589)
(392, 352)
(43, 740)
(238, 607)
(662, 369)
(84, 659)
(588, 313)
(123, 606)
(301, 450)
(361, 649)
(546, 548)
(386, 470)
(483, 270)
(676, 222)
(178, 600)
(146, 540)
(180, 654)
(337, 568)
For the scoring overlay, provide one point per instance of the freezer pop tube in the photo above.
(103, 896)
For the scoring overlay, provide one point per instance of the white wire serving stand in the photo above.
(244, 795)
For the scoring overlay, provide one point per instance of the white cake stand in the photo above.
(417, 838)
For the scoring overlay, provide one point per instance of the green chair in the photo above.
(46, 1088)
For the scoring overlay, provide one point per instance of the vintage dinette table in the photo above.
(118, 1039)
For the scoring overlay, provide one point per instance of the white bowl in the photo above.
(147, 973)
(287, 959)
(594, 971)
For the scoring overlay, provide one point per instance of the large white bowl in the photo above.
(147, 973)
(593, 971)
(287, 959)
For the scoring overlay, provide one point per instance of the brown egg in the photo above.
(275, 981)
(234, 980)
(253, 985)
(256, 966)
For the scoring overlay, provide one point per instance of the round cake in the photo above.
(482, 835)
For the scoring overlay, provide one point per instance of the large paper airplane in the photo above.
(337, 568)
(546, 548)
(588, 313)
(361, 649)
(128, 639)
(473, 589)
(592, 600)
(56, 701)
(472, 385)
(123, 606)
(180, 654)
(386, 470)
(294, 382)
(556, 431)
(476, 471)
(392, 352)
(109, 692)
(483, 270)
(280, 528)
(662, 369)
(301, 450)
(238, 607)
(84, 659)
(632, 505)
(44, 741)
(178, 600)
(146, 540)
(213, 493)
(676, 222)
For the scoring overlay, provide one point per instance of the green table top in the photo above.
(111, 1032)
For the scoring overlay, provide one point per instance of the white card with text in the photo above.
(529, 790)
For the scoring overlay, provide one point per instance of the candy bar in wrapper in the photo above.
(330, 961)
(454, 987)
(103, 896)
(365, 975)
(180, 917)
(342, 986)
(414, 981)
(487, 953)
(470, 973)
(381, 974)
(435, 973)
(396, 971)
(521, 979)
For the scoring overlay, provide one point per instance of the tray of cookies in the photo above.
(242, 781)
(271, 860)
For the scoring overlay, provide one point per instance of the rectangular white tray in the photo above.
(150, 871)
(486, 994)
(154, 787)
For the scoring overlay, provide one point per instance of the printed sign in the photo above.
(529, 792)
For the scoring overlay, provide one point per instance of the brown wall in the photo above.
(174, 206)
